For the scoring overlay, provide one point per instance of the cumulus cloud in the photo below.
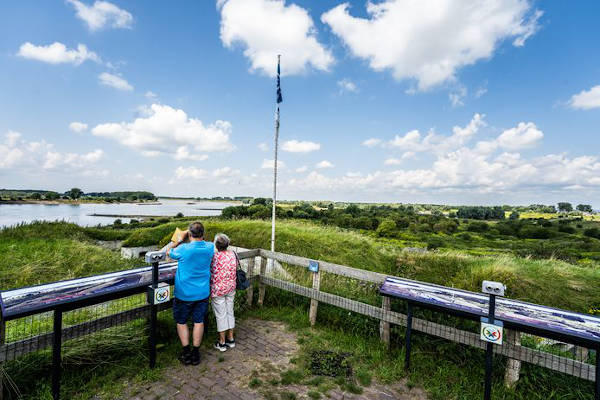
(586, 99)
(414, 141)
(35, 156)
(523, 136)
(78, 127)
(164, 130)
(372, 142)
(301, 169)
(57, 53)
(398, 161)
(151, 95)
(457, 96)
(268, 164)
(102, 14)
(431, 40)
(114, 81)
(324, 164)
(266, 28)
(346, 85)
(295, 146)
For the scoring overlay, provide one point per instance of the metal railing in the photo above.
(49, 321)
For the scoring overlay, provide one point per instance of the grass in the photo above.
(446, 370)
(44, 252)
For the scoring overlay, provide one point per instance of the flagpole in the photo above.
(276, 144)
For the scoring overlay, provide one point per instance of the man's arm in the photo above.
(172, 245)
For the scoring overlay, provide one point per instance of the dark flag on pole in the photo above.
(279, 97)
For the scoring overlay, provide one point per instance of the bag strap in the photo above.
(239, 265)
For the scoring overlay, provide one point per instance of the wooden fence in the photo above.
(512, 349)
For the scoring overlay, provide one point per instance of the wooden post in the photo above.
(2, 342)
(513, 367)
(314, 304)
(250, 290)
(384, 327)
(261, 286)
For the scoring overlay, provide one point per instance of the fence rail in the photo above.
(512, 349)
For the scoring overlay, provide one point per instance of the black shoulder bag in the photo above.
(241, 280)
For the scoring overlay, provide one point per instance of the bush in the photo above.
(478, 226)
(387, 228)
(592, 232)
(535, 232)
(465, 236)
(179, 215)
(566, 229)
(434, 243)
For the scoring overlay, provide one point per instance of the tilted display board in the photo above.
(576, 328)
(35, 299)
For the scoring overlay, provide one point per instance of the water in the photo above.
(12, 214)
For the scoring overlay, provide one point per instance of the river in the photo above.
(81, 214)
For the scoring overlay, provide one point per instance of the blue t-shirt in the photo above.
(192, 280)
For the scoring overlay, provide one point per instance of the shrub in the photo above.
(566, 229)
(478, 226)
(434, 243)
(465, 236)
(179, 215)
(387, 228)
(592, 232)
(535, 232)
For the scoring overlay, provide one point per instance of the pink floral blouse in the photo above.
(223, 273)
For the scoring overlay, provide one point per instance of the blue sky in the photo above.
(406, 101)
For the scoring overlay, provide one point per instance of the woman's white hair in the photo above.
(222, 239)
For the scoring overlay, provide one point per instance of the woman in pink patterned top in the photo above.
(222, 291)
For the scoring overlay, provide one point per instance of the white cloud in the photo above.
(102, 14)
(324, 164)
(586, 99)
(33, 157)
(267, 28)
(163, 130)
(301, 169)
(78, 126)
(523, 136)
(372, 142)
(392, 161)
(57, 53)
(114, 81)
(398, 161)
(190, 173)
(263, 147)
(346, 85)
(151, 95)
(457, 96)
(268, 164)
(431, 40)
(480, 92)
(295, 146)
(413, 140)
(183, 153)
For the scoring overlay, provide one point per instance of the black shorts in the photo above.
(183, 309)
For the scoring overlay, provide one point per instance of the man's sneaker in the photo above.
(185, 357)
(230, 343)
(220, 346)
(195, 358)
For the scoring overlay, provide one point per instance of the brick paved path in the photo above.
(263, 349)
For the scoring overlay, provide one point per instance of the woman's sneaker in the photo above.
(220, 346)
(230, 343)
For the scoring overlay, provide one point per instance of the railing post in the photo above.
(153, 315)
(56, 357)
(314, 304)
(384, 326)
(597, 383)
(250, 290)
(261, 286)
(2, 342)
(409, 317)
(513, 367)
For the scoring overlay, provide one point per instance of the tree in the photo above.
(75, 193)
(565, 207)
(514, 215)
(52, 196)
(387, 228)
(584, 208)
(36, 196)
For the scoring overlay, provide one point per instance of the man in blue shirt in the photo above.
(192, 288)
